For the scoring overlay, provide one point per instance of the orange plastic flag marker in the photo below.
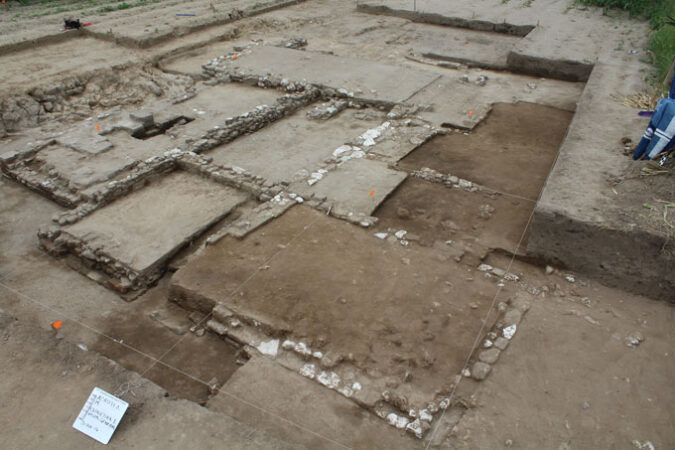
(471, 112)
(57, 325)
(234, 56)
(98, 128)
(372, 193)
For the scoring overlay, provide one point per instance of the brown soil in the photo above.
(570, 371)
(202, 357)
(434, 212)
(511, 151)
(406, 314)
(396, 309)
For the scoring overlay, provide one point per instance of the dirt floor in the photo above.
(305, 224)
(327, 289)
(511, 151)
(433, 213)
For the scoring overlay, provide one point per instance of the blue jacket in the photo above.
(660, 134)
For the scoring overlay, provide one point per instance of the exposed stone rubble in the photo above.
(93, 196)
(448, 180)
(339, 373)
(228, 68)
(252, 121)
(388, 142)
(498, 338)
(392, 143)
(55, 241)
(256, 218)
(104, 159)
(327, 110)
(95, 150)
(75, 98)
(129, 263)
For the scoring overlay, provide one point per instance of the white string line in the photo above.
(168, 366)
(508, 194)
(490, 190)
(255, 272)
(499, 288)
(480, 331)
(171, 367)
(76, 321)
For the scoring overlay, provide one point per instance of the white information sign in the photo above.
(100, 415)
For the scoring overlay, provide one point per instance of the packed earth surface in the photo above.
(333, 224)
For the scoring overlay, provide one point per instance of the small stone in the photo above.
(400, 234)
(512, 316)
(501, 343)
(415, 427)
(549, 270)
(473, 305)
(486, 211)
(425, 415)
(216, 327)
(586, 405)
(509, 332)
(465, 184)
(308, 370)
(213, 385)
(480, 370)
(489, 356)
(485, 268)
(330, 360)
(449, 225)
(403, 213)
(508, 443)
(634, 339)
(591, 320)
(498, 272)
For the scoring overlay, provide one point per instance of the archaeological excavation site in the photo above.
(372, 224)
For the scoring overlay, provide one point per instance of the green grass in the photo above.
(662, 46)
(654, 10)
(662, 38)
